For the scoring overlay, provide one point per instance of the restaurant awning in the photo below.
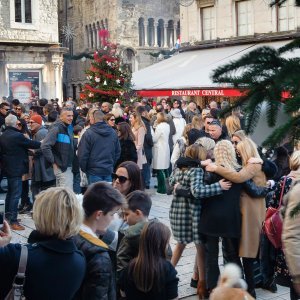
(188, 73)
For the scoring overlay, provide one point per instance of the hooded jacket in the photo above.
(98, 150)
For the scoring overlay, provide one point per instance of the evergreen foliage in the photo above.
(267, 75)
(280, 2)
(107, 79)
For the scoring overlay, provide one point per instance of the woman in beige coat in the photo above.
(253, 209)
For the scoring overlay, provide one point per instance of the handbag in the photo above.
(16, 293)
(272, 225)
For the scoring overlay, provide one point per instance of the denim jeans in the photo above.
(146, 174)
(76, 183)
(94, 178)
(12, 199)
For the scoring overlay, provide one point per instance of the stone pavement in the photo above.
(160, 210)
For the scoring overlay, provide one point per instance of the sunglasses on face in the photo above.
(19, 124)
(18, 108)
(122, 179)
(234, 143)
(112, 120)
(31, 122)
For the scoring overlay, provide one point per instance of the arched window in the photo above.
(151, 32)
(160, 33)
(170, 34)
(129, 59)
(87, 36)
(91, 35)
(141, 32)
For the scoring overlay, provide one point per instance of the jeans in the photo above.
(64, 179)
(12, 198)
(94, 178)
(76, 183)
(146, 174)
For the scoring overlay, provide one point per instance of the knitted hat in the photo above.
(37, 119)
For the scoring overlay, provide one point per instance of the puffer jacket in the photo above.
(98, 150)
(99, 280)
(57, 146)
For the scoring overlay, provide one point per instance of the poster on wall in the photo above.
(24, 85)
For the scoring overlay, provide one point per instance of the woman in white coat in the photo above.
(161, 151)
(179, 123)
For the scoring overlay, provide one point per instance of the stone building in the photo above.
(139, 28)
(31, 59)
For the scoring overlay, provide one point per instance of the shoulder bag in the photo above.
(16, 293)
(272, 226)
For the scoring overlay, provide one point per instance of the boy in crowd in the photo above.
(136, 215)
(100, 202)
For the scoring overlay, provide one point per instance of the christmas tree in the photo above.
(107, 79)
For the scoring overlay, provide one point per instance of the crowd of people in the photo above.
(106, 247)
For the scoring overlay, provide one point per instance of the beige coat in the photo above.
(253, 209)
(291, 233)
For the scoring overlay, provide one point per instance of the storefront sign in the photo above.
(199, 92)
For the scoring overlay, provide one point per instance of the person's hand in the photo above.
(55, 167)
(175, 186)
(5, 234)
(206, 162)
(211, 167)
(255, 160)
(225, 185)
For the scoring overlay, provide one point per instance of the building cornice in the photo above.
(234, 41)
(54, 48)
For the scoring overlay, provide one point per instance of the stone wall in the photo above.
(45, 23)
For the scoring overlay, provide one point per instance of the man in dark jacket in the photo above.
(58, 148)
(42, 174)
(148, 144)
(4, 108)
(215, 131)
(101, 201)
(98, 150)
(14, 156)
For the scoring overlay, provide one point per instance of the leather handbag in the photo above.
(16, 293)
(272, 226)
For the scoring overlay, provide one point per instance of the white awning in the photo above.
(192, 69)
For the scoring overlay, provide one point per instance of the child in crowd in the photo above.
(100, 202)
(150, 275)
(136, 215)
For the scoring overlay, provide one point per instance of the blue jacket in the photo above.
(58, 145)
(55, 269)
(98, 150)
(14, 152)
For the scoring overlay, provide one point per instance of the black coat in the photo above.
(55, 269)
(14, 152)
(99, 281)
(128, 151)
(148, 141)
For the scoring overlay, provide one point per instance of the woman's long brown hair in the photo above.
(148, 268)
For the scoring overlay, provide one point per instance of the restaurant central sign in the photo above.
(192, 92)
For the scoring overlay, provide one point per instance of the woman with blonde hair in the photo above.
(186, 207)
(161, 151)
(57, 215)
(139, 131)
(253, 210)
(233, 124)
(195, 132)
(221, 217)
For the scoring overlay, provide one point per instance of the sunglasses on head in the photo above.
(122, 179)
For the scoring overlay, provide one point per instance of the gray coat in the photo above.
(40, 171)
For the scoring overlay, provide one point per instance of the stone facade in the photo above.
(31, 59)
(221, 20)
(139, 28)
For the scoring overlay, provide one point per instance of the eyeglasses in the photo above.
(18, 108)
(122, 179)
